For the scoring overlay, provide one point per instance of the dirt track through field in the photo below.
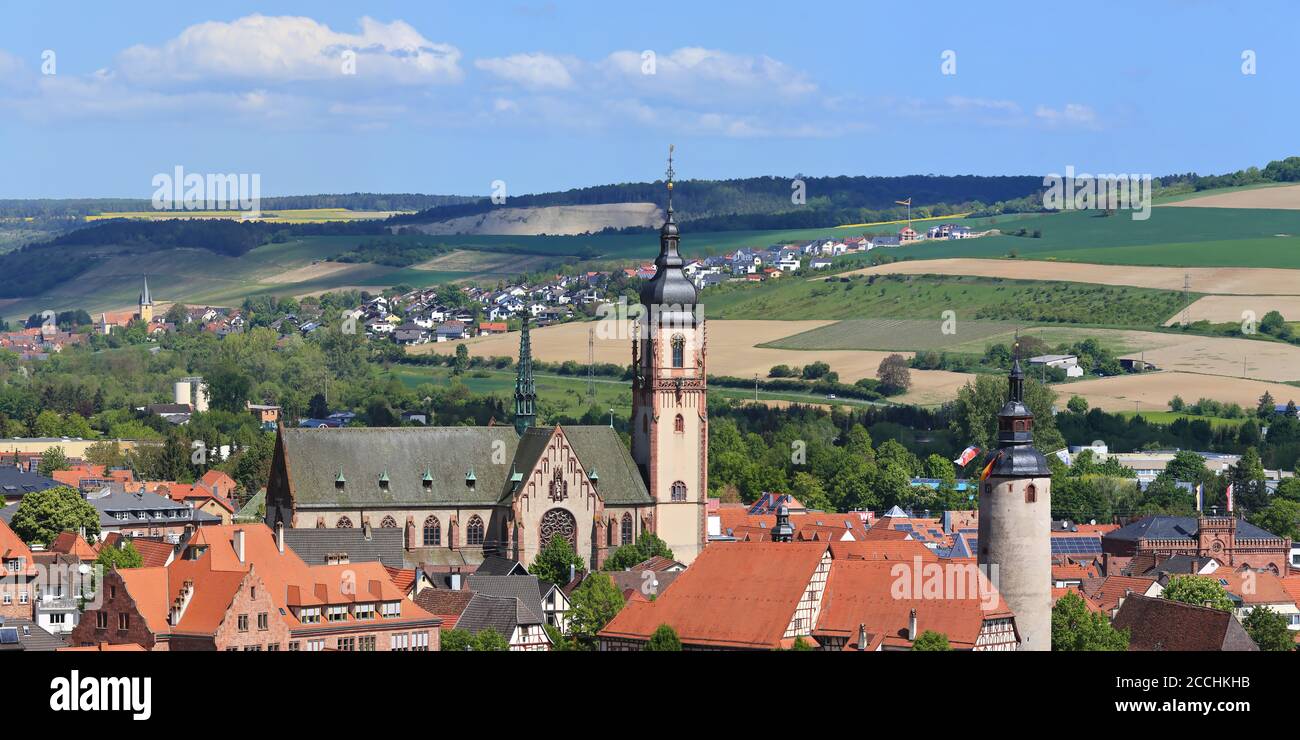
(1226, 280)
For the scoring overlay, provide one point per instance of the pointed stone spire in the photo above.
(145, 299)
(525, 387)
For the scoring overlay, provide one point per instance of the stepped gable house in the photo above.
(461, 493)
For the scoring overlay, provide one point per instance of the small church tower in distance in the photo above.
(146, 303)
(670, 435)
(525, 387)
(1015, 520)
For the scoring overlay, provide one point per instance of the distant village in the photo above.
(417, 317)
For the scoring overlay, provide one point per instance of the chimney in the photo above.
(365, 529)
(279, 537)
(239, 544)
(573, 572)
(455, 581)
(911, 626)
(862, 637)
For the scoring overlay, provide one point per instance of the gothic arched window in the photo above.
(474, 531)
(679, 491)
(679, 350)
(432, 532)
(343, 523)
(388, 523)
(680, 424)
(627, 529)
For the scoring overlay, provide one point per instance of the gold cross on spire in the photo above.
(670, 174)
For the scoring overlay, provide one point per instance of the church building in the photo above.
(461, 493)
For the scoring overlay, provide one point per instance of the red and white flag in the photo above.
(1229, 498)
(966, 456)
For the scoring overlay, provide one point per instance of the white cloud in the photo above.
(708, 74)
(536, 70)
(1073, 114)
(288, 49)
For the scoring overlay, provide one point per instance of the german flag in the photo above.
(988, 469)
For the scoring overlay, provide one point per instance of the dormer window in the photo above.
(340, 481)
(427, 480)
(470, 480)
(383, 480)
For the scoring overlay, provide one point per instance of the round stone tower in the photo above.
(1015, 520)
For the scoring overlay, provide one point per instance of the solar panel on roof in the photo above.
(8, 636)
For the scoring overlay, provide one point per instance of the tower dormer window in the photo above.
(679, 350)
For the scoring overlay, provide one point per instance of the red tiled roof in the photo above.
(403, 578)
(739, 595)
(1091, 605)
(71, 543)
(863, 592)
(13, 547)
(103, 647)
(153, 553)
(1109, 590)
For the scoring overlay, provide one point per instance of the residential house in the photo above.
(239, 588)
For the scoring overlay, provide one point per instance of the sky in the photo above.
(449, 97)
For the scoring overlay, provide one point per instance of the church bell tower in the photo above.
(670, 437)
(1015, 520)
(146, 303)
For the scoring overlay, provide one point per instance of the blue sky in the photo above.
(448, 97)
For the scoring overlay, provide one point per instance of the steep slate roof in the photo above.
(1165, 625)
(1178, 527)
(384, 545)
(31, 636)
(484, 611)
(249, 512)
(15, 482)
(495, 565)
(524, 588)
(314, 457)
(600, 449)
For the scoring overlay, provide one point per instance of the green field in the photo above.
(1169, 417)
(925, 297)
(1181, 237)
